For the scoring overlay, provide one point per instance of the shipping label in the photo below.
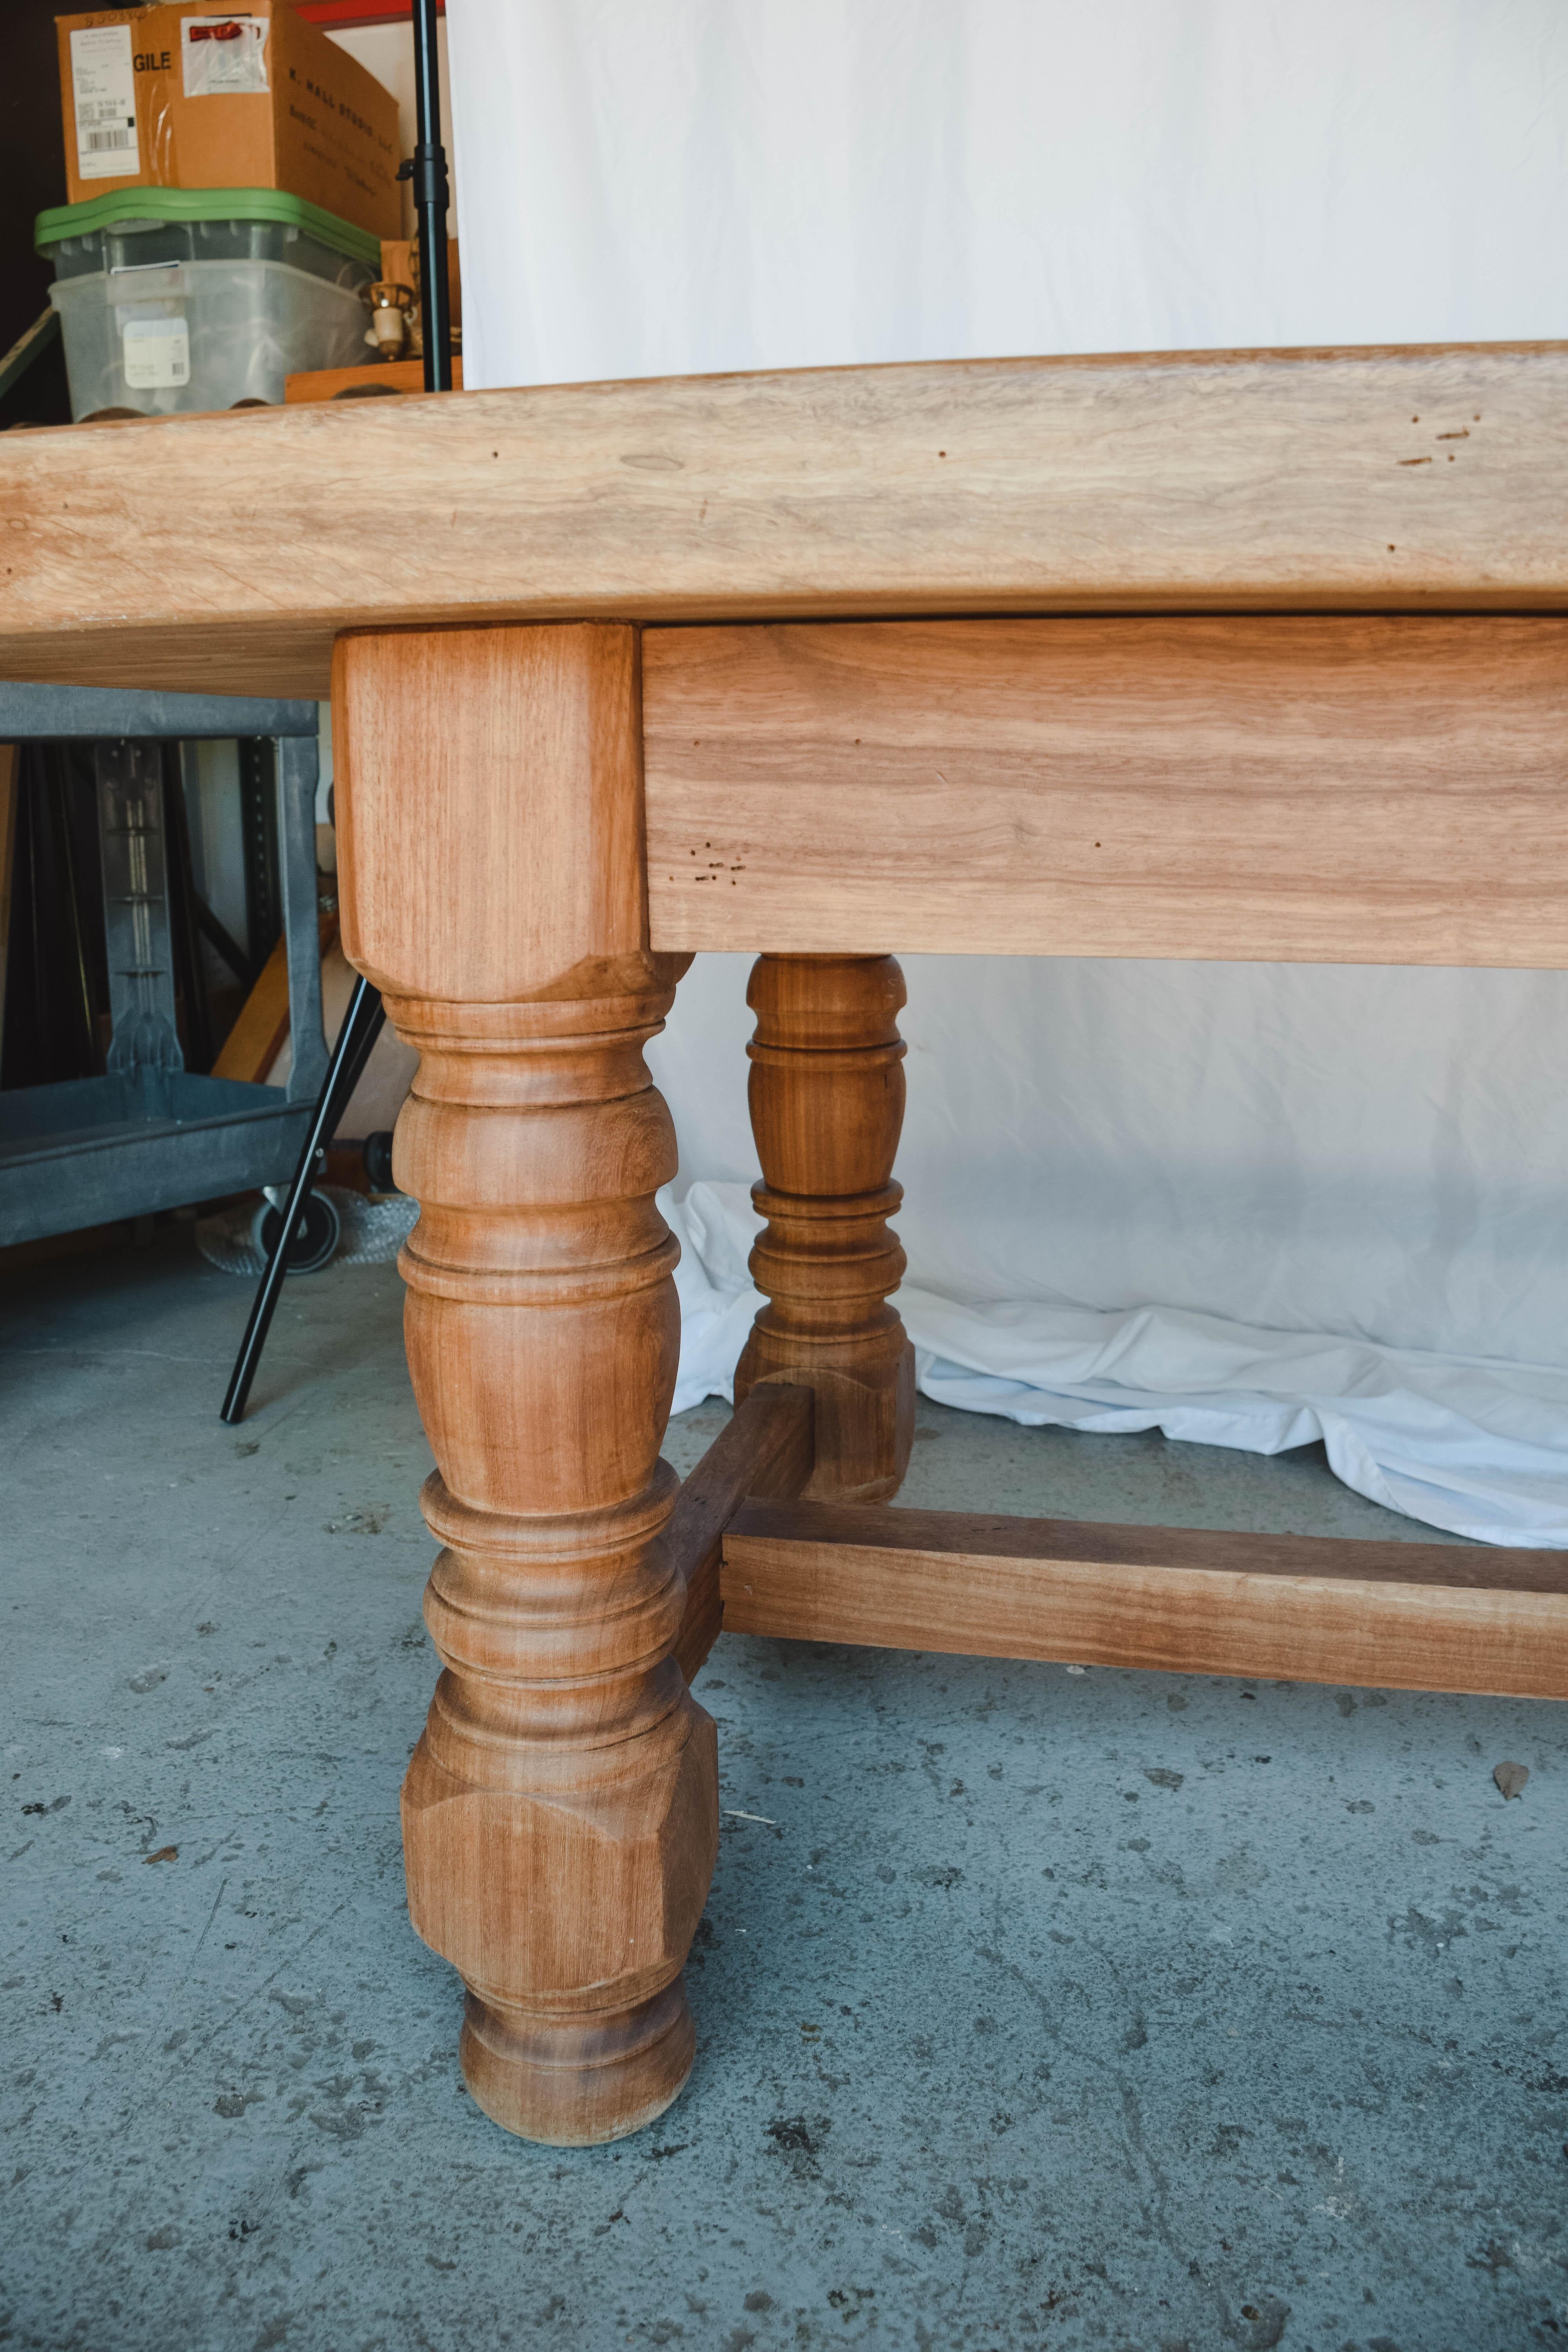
(103, 83)
(157, 353)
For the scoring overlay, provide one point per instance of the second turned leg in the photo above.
(827, 1104)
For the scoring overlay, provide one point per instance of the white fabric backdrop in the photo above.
(1217, 1163)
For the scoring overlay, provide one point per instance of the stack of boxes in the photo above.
(231, 177)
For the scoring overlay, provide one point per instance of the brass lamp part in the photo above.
(393, 313)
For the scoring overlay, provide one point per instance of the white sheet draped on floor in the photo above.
(1468, 1444)
(1250, 1205)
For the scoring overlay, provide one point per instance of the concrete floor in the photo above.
(1038, 2010)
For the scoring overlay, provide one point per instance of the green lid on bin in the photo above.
(122, 204)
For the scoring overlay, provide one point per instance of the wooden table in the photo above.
(1258, 655)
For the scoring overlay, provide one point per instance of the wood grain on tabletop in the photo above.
(228, 550)
(1301, 1608)
(561, 1810)
(1359, 788)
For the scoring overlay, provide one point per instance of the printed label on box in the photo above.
(103, 83)
(223, 56)
(157, 353)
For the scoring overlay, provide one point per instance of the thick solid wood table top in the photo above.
(229, 550)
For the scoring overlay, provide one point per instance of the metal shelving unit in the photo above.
(150, 1134)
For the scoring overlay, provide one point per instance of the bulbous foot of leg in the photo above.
(578, 2082)
(865, 1407)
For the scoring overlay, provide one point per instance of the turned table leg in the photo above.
(561, 1811)
(828, 1102)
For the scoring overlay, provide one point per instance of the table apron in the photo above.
(1333, 789)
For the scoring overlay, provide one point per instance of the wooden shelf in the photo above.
(386, 376)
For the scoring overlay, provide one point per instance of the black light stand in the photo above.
(362, 1021)
(427, 167)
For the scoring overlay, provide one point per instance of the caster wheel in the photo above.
(378, 1161)
(315, 1237)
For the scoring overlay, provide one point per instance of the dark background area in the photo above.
(32, 178)
(57, 995)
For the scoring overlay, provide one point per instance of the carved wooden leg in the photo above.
(828, 1103)
(561, 1811)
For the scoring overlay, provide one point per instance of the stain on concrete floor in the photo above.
(1041, 2009)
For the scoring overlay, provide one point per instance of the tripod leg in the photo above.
(362, 1026)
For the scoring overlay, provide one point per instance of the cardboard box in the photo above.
(179, 96)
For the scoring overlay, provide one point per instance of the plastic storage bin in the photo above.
(195, 298)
